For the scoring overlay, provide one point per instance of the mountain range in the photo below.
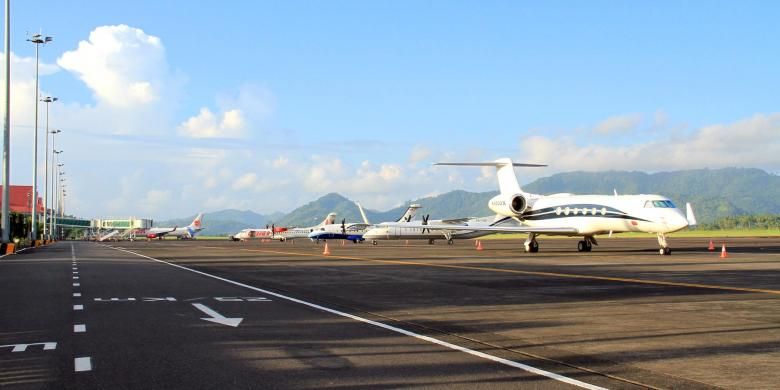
(715, 193)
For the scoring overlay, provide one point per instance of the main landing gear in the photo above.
(665, 250)
(586, 245)
(530, 244)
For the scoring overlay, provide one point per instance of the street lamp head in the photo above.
(38, 39)
(58, 151)
(55, 131)
(49, 99)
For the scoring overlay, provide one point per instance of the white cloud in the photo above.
(244, 181)
(618, 124)
(122, 65)
(206, 125)
(749, 142)
(418, 154)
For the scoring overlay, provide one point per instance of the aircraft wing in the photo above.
(358, 226)
(495, 229)
(455, 221)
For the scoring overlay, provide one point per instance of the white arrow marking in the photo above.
(216, 317)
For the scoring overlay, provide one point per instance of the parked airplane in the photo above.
(575, 215)
(354, 231)
(179, 232)
(271, 232)
(293, 233)
(418, 230)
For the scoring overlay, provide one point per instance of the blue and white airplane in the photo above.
(574, 215)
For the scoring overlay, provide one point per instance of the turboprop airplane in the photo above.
(186, 232)
(272, 233)
(354, 231)
(293, 233)
(418, 230)
(575, 215)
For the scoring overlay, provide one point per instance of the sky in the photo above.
(168, 108)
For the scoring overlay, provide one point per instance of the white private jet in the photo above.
(186, 232)
(575, 215)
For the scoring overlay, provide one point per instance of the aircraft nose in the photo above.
(679, 221)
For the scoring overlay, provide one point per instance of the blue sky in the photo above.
(305, 98)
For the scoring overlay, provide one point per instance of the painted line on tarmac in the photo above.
(533, 273)
(82, 364)
(405, 332)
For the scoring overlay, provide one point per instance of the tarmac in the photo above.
(205, 314)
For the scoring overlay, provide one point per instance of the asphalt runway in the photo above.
(283, 315)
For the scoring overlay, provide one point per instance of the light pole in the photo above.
(36, 39)
(59, 197)
(5, 224)
(55, 182)
(46, 232)
(53, 154)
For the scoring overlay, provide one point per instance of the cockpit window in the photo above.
(661, 204)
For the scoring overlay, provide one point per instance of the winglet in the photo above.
(362, 213)
(689, 215)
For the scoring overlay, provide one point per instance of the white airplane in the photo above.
(271, 232)
(418, 230)
(575, 215)
(354, 231)
(179, 232)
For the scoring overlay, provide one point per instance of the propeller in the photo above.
(273, 230)
(343, 228)
(425, 222)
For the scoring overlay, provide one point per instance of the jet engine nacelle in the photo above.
(509, 206)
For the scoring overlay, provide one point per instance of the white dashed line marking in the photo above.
(78, 307)
(76, 284)
(76, 294)
(79, 328)
(83, 364)
(75, 277)
(391, 328)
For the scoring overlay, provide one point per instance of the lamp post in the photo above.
(59, 197)
(53, 154)
(46, 232)
(55, 178)
(36, 39)
(5, 224)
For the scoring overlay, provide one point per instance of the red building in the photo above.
(20, 200)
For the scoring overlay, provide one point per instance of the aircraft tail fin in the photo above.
(409, 213)
(196, 223)
(329, 220)
(507, 180)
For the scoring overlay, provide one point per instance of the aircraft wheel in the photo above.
(430, 242)
(373, 242)
(533, 247)
(665, 251)
(450, 242)
(582, 246)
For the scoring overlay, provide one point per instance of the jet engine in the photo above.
(509, 206)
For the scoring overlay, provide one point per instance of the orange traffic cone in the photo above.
(711, 248)
(326, 251)
(479, 245)
(723, 253)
